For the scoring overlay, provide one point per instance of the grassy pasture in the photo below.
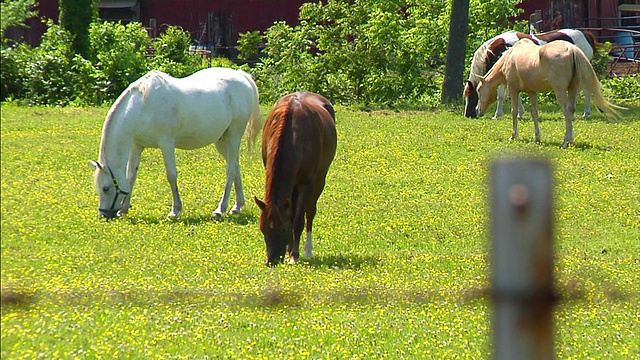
(401, 245)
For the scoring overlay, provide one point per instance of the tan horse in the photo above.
(559, 66)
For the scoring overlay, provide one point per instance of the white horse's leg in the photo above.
(533, 97)
(587, 105)
(132, 173)
(520, 108)
(169, 156)
(514, 114)
(230, 151)
(234, 154)
(500, 101)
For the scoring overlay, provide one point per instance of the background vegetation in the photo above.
(401, 254)
(401, 245)
(385, 54)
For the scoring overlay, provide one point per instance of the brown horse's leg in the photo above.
(311, 213)
(299, 200)
(533, 97)
(312, 206)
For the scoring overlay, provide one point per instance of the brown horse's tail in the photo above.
(590, 84)
(255, 121)
(595, 45)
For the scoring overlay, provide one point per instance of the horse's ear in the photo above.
(95, 165)
(260, 204)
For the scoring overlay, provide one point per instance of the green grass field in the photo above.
(401, 245)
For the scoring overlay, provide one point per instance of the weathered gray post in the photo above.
(521, 260)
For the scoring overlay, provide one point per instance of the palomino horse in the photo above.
(158, 111)
(489, 53)
(559, 66)
(298, 145)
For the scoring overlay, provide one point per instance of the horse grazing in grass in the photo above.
(490, 52)
(559, 66)
(158, 111)
(298, 145)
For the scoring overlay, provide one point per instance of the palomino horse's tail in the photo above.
(255, 122)
(590, 85)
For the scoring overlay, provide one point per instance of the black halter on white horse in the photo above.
(116, 205)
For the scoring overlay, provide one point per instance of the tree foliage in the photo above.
(370, 51)
(13, 13)
(384, 53)
(76, 16)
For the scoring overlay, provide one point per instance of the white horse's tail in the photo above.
(590, 85)
(255, 122)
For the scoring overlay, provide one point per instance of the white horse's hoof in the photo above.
(172, 216)
(217, 215)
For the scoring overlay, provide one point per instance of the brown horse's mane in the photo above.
(497, 66)
(280, 126)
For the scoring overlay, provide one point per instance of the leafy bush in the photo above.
(172, 54)
(624, 89)
(118, 52)
(15, 60)
(248, 44)
(55, 74)
(370, 51)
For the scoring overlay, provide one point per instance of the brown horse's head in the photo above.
(277, 228)
(470, 100)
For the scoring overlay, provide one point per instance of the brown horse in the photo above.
(559, 66)
(298, 145)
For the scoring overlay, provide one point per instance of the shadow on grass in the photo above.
(343, 261)
(239, 219)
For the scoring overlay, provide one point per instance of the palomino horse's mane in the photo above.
(280, 122)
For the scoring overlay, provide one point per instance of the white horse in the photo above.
(213, 105)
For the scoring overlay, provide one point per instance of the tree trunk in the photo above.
(453, 77)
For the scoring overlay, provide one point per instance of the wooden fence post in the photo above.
(522, 259)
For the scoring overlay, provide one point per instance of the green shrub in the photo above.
(172, 53)
(15, 60)
(118, 52)
(248, 44)
(55, 73)
(369, 51)
(624, 89)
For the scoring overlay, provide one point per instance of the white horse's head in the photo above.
(113, 192)
(487, 95)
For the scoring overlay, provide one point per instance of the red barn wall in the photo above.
(238, 16)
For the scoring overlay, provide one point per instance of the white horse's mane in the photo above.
(478, 63)
(143, 84)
